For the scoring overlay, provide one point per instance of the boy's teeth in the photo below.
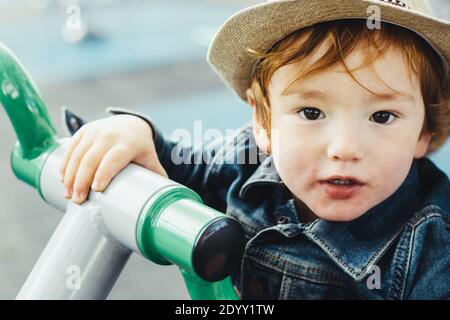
(341, 182)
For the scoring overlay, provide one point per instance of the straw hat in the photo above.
(260, 26)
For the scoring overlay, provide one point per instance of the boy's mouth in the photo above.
(339, 182)
(342, 180)
(338, 187)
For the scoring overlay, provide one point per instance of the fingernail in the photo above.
(95, 185)
(76, 196)
(99, 185)
(61, 177)
(66, 192)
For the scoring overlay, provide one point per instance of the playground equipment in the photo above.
(140, 212)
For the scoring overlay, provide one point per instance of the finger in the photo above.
(74, 162)
(112, 163)
(71, 146)
(152, 163)
(86, 171)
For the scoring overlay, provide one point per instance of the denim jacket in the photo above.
(398, 249)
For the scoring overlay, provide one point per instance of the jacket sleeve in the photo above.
(188, 165)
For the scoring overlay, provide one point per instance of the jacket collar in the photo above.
(436, 184)
(357, 245)
(265, 174)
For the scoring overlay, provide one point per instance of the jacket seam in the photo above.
(408, 262)
(398, 275)
(422, 216)
(326, 274)
(314, 279)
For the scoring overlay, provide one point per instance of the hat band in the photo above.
(397, 3)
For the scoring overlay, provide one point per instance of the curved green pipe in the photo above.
(37, 138)
(28, 114)
(200, 289)
(161, 239)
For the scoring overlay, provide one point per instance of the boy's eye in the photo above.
(309, 113)
(382, 117)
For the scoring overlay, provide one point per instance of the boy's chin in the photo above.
(331, 212)
(339, 216)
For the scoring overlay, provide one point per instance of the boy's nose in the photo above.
(345, 143)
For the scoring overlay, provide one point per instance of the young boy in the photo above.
(344, 203)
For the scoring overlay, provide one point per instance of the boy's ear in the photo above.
(250, 97)
(422, 145)
(259, 132)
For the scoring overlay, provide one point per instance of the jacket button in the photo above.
(255, 289)
(283, 220)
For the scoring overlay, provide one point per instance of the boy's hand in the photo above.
(100, 149)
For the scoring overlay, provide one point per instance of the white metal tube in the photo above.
(79, 261)
(122, 202)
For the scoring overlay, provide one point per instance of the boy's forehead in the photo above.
(390, 70)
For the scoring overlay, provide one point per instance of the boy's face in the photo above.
(345, 131)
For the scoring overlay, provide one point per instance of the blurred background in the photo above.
(87, 55)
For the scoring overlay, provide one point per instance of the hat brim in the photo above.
(260, 26)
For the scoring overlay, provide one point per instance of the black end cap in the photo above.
(219, 250)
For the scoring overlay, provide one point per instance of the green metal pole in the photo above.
(200, 289)
(28, 114)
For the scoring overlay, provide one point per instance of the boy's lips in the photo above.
(341, 191)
